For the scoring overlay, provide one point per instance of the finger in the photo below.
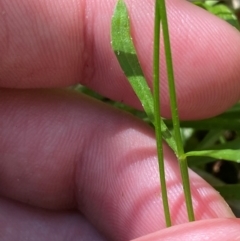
(21, 222)
(215, 229)
(62, 151)
(58, 44)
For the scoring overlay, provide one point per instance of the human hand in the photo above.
(72, 168)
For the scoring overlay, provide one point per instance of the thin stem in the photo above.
(157, 118)
(171, 82)
(186, 188)
(174, 111)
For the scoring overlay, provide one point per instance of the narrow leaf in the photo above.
(228, 154)
(157, 113)
(174, 111)
(125, 52)
(229, 191)
(215, 123)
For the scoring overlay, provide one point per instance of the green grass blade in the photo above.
(171, 82)
(174, 110)
(229, 120)
(209, 140)
(157, 112)
(196, 160)
(230, 191)
(228, 155)
(127, 57)
(125, 52)
(216, 123)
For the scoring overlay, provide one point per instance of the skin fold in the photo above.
(73, 168)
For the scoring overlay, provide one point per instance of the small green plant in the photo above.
(124, 49)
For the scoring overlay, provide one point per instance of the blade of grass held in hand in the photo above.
(125, 52)
(174, 111)
(157, 113)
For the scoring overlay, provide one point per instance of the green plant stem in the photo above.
(157, 118)
(171, 83)
(174, 111)
(186, 187)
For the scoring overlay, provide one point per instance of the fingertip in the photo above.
(212, 229)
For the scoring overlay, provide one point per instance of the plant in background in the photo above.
(221, 10)
(124, 49)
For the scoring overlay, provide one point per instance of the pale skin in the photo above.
(74, 169)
